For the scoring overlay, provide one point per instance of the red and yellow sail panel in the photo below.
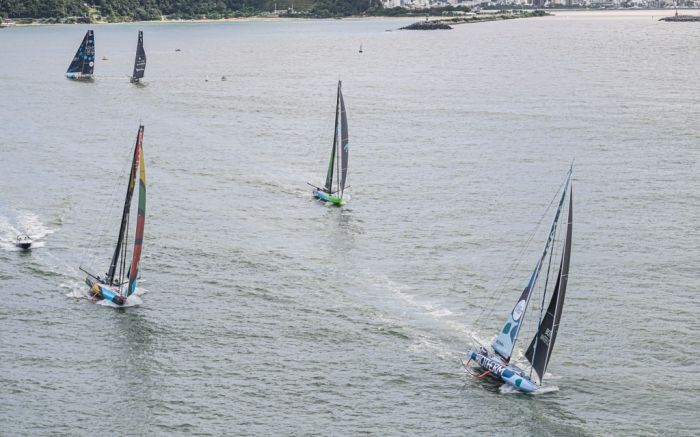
(140, 218)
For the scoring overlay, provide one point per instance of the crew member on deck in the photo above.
(95, 293)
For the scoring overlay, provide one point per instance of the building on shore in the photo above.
(614, 4)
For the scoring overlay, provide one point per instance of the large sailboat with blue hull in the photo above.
(83, 64)
(119, 283)
(497, 361)
(332, 191)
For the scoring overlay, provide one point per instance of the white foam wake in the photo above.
(26, 223)
(509, 389)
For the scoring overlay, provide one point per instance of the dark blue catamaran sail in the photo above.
(83, 63)
(140, 61)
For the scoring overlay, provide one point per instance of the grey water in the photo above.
(267, 313)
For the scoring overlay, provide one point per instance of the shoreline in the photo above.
(257, 18)
(550, 12)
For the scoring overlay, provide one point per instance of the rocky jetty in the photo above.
(427, 25)
(681, 18)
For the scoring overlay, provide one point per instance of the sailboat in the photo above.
(496, 363)
(140, 61)
(338, 164)
(83, 64)
(360, 47)
(120, 280)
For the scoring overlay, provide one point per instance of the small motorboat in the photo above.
(23, 242)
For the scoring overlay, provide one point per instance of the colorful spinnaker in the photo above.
(120, 280)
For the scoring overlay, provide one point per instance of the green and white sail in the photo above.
(338, 163)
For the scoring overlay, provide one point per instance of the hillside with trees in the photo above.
(143, 10)
(42, 8)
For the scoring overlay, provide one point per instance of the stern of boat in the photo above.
(79, 77)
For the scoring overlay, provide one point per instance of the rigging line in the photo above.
(123, 255)
(108, 214)
(126, 244)
(489, 310)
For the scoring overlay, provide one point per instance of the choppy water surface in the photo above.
(266, 313)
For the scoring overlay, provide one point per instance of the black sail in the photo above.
(84, 60)
(140, 61)
(125, 214)
(344, 146)
(540, 348)
(331, 164)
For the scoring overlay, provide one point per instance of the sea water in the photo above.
(269, 314)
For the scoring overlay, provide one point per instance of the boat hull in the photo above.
(102, 291)
(78, 76)
(321, 195)
(25, 246)
(510, 374)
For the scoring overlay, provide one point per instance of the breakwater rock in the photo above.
(681, 18)
(427, 25)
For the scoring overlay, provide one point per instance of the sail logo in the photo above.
(519, 310)
(546, 336)
(490, 364)
(346, 147)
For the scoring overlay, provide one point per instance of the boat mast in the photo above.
(125, 213)
(125, 244)
(331, 164)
